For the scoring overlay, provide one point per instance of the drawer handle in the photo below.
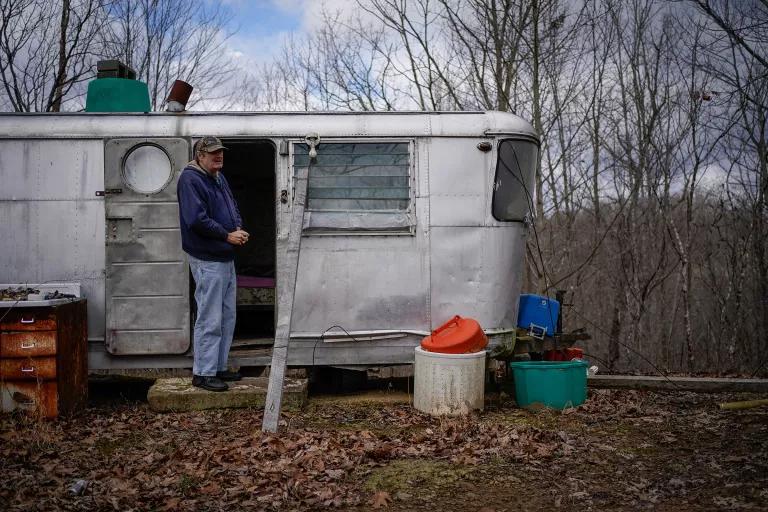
(27, 345)
(25, 321)
(30, 369)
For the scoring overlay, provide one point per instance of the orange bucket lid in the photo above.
(457, 336)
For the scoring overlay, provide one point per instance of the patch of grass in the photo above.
(624, 429)
(371, 398)
(168, 448)
(108, 446)
(39, 435)
(366, 424)
(187, 484)
(542, 418)
(640, 450)
(353, 417)
(619, 430)
(409, 474)
(497, 462)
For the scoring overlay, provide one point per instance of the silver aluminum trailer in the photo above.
(411, 218)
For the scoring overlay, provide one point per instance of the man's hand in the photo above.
(237, 237)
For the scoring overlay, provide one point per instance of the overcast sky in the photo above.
(262, 25)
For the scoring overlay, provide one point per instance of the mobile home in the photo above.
(411, 218)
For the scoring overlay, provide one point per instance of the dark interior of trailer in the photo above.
(250, 169)
(249, 166)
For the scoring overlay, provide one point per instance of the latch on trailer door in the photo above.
(109, 191)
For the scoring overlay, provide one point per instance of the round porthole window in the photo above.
(147, 169)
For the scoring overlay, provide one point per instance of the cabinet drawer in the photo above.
(39, 397)
(29, 319)
(30, 368)
(27, 344)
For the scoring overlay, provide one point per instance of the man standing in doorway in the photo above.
(210, 231)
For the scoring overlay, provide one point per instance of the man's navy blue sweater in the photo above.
(207, 213)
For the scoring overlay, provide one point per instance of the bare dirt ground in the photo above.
(622, 450)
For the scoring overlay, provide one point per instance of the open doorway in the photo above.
(249, 167)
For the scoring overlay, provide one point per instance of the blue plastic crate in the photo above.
(538, 314)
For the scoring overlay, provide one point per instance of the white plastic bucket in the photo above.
(448, 384)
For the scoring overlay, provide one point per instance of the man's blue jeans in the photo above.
(215, 292)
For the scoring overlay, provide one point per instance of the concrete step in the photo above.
(178, 394)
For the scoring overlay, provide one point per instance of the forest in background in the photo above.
(650, 204)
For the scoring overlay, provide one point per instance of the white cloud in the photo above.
(311, 11)
(289, 6)
(257, 49)
(252, 46)
(712, 177)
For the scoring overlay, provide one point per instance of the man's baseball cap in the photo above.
(209, 144)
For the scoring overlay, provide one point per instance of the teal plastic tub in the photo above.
(555, 384)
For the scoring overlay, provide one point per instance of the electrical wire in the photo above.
(11, 306)
(658, 370)
(760, 367)
(529, 203)
(602, 361)
(543, 266)
(322, 337)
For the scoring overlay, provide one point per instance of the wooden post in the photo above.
(746, 404)
(288, 265)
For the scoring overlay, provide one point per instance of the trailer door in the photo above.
(147, 281)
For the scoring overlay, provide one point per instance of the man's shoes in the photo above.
(229, 376)
(209, 383)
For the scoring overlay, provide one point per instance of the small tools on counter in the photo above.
(16, 294)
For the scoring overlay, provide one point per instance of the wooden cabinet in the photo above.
(44, 357)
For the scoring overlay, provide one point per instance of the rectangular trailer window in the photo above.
(513, 185)
(356, 176)
(357, 186)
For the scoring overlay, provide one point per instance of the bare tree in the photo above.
(46, 50)
(165, 40)
(343, 65)
(650, 203)
(743, 22)
(741, 70)
(695, 150)
(269, 88)
(419, 29)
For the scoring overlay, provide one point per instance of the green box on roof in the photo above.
(117, 95)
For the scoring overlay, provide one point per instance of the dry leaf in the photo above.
(335, 473)
(212, 460)
(172, 504)
(212, 488)
(380, 499)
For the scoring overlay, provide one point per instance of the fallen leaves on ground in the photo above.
(620, 449)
